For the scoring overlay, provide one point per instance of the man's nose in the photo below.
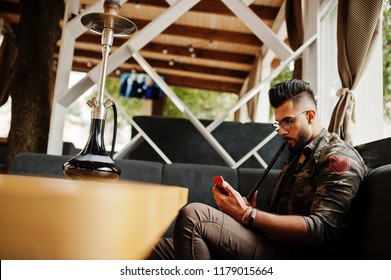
(282, 131)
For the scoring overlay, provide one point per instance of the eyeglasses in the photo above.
(286, 123)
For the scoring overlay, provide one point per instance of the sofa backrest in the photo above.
(37, 164)
(181, 142)
(372, 216)
(376, 153)
(3, 154)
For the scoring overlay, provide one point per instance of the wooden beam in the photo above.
(178, 50)
(205, 6)
(198, 69)
(206, 33)
(202, 53)
(203, 84)
(177, 66)
(172, 80)
(216, 7)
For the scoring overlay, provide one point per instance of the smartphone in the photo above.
(218, 180)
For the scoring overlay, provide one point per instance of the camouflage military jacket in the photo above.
(323, 188)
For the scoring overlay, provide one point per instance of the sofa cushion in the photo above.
(198, 178)
(373, 216)
(138, 170)
(37, 164)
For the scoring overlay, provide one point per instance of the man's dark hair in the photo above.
(289, 89)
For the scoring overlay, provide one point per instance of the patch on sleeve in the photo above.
(339, 164)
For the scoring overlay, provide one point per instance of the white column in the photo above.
(310, 56)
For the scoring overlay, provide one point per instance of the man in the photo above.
(309, 205)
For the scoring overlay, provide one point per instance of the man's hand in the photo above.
(286, 228)
(232, 203)
(253, 201)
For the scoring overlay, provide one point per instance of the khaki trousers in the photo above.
(202, 232)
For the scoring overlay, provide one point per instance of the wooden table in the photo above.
(50, 218)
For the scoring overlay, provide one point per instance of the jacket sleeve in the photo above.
(340, 173)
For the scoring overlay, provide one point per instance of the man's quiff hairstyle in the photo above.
(290, 89)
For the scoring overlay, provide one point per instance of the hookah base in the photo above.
(91, 170)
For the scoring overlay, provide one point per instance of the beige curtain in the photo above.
(357, 27)
(294, 26)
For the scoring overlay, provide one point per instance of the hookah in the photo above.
(93, 162)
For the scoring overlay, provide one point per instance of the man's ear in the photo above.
(311, 116)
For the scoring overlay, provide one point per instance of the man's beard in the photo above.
(301, 142)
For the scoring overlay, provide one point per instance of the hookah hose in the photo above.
(259, 182)
(114, 130)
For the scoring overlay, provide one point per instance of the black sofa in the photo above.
(373, 225)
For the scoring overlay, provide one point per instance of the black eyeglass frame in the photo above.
(286, 123)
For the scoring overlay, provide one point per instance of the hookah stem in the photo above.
(107, 40)
(270, 165)
(110, 7)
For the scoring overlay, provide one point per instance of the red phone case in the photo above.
(219, 183)
(218, 180)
